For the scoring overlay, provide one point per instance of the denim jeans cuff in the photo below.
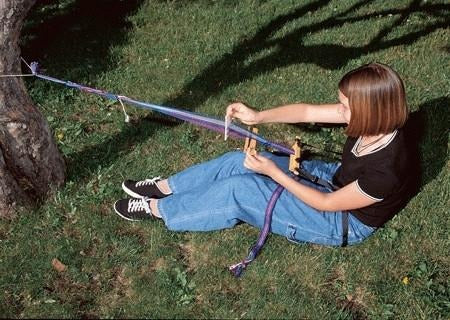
(171, 185)
(161, 210)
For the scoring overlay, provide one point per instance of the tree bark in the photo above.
(30, 162)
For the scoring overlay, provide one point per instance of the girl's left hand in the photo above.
(260, 164)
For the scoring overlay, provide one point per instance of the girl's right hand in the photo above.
(245, 114)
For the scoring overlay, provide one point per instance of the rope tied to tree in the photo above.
(218, 125)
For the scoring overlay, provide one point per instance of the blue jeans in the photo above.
(220, 193)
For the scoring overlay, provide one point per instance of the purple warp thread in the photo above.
(238, 268)
(209, 123)
(235, 131)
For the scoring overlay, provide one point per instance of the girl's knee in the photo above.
(233, 156)
(248, 187)
(233, 160)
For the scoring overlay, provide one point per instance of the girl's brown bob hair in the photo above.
(377, 100)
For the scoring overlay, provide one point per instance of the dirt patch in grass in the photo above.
(91, 249)
(229, 290)
(4, 230)
(337, 275)
(105, 209)
(194, 255)
(132, 230)
(354, 306)
(120, 290)
(159, 264)
(71, 232)
(201, 252)
(188, 253)
(81, 296)
(354, 302)
(12, 305)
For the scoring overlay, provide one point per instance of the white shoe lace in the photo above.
(148, 182)
(138, 205)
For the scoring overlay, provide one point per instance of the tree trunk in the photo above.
(30, 162)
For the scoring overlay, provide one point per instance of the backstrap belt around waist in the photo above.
(324, 183)
(316, 180)
(344, 228)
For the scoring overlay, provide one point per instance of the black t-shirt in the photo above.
(382, 175)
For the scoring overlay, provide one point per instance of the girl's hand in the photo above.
(242, 112)
(260, 164)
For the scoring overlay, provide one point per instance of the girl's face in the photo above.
(344, 109)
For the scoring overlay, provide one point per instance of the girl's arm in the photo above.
(346, 198)
(303, 112)
(291, 113)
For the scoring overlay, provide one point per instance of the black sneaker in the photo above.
(144, 188)
(133, 209)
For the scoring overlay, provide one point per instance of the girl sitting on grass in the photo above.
(372, 181)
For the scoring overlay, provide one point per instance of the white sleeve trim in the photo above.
(367, 195)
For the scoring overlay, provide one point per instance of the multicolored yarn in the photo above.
(206, 122)
(238, 268)
(234, 130)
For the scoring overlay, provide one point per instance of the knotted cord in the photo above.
(234, 130)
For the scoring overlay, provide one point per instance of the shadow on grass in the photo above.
(427, 130)
(231, 69)
(73, 37)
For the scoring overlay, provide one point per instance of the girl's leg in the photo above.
(219, 204)
(225, 166)
(225, 202)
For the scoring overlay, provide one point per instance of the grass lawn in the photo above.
(199, 56)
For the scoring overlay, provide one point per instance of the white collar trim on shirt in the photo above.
(366, 194)
(355, 146)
